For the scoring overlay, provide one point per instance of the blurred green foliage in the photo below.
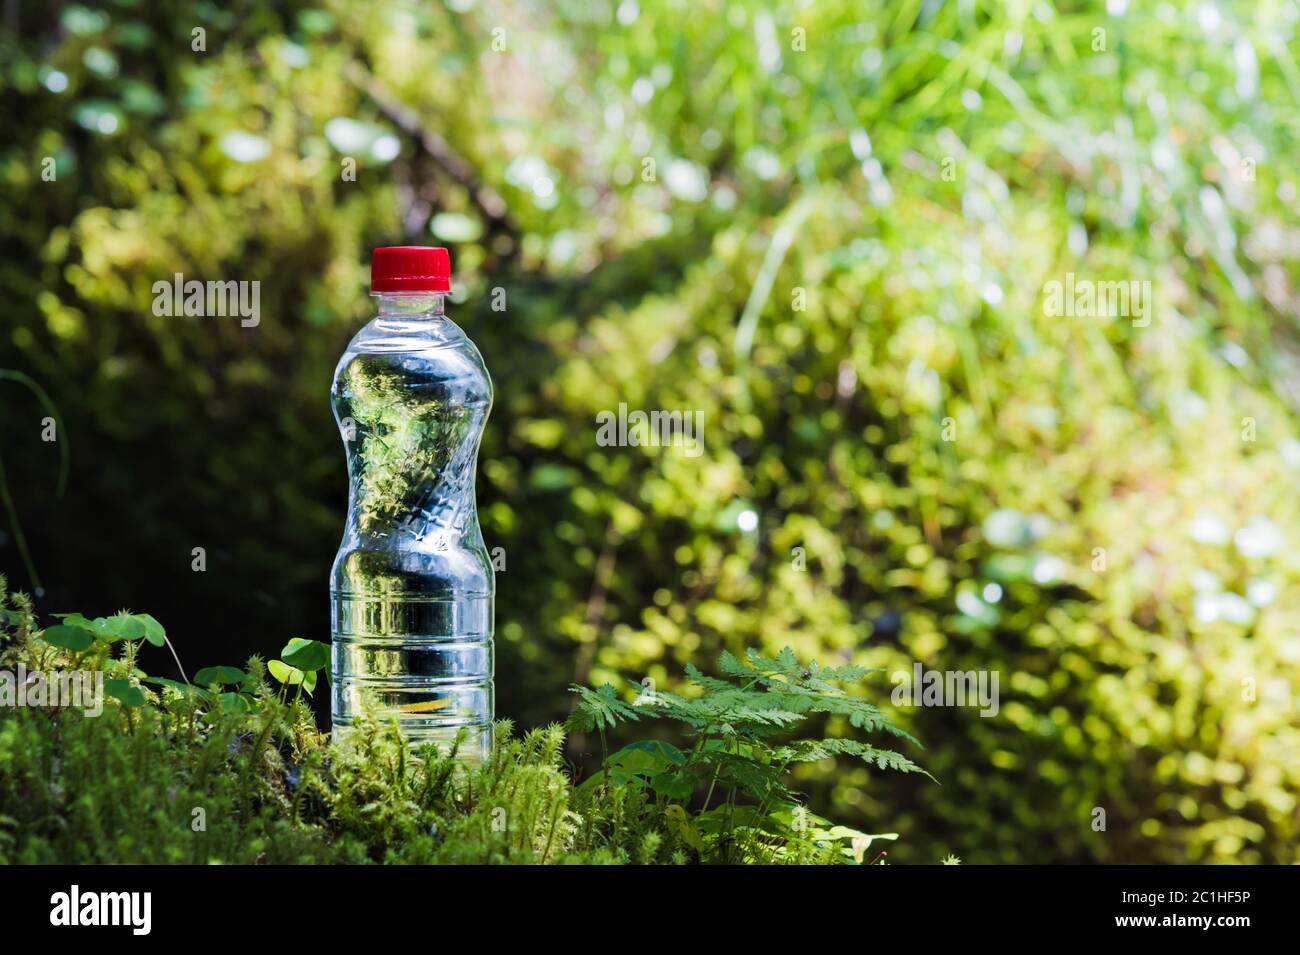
(828, 228)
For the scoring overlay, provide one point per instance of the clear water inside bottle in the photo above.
(412, 586)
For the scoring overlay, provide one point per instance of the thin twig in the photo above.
(177, 659)
(486, 199)
(600, 582)
(787, 230)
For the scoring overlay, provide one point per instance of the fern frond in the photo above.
(731, 666)
(728, 709)
(706, 682)
(598, 709)
(812, 750)
(786, 671)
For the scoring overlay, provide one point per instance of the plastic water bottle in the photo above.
(411, 591)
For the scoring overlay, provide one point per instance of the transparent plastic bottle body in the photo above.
(411, 590)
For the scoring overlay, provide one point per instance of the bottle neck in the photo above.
(412, 306)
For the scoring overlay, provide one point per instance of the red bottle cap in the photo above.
(410, 268)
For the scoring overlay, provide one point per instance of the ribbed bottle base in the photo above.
(422, 661)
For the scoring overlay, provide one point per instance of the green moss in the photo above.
(167, 772)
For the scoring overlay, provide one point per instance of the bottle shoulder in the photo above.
(391, 333)
(423, 350)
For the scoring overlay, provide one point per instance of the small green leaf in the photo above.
(686, 830)
(306, 655)
(153, 630)
(69, 638)
(284, 673)
(124, 692)
(675, 785)
(75, 620)
(234, 703)
(647, 755)
(594, 782)
(184, 689)
(118, 627)
(225, 675)
(844, 832)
